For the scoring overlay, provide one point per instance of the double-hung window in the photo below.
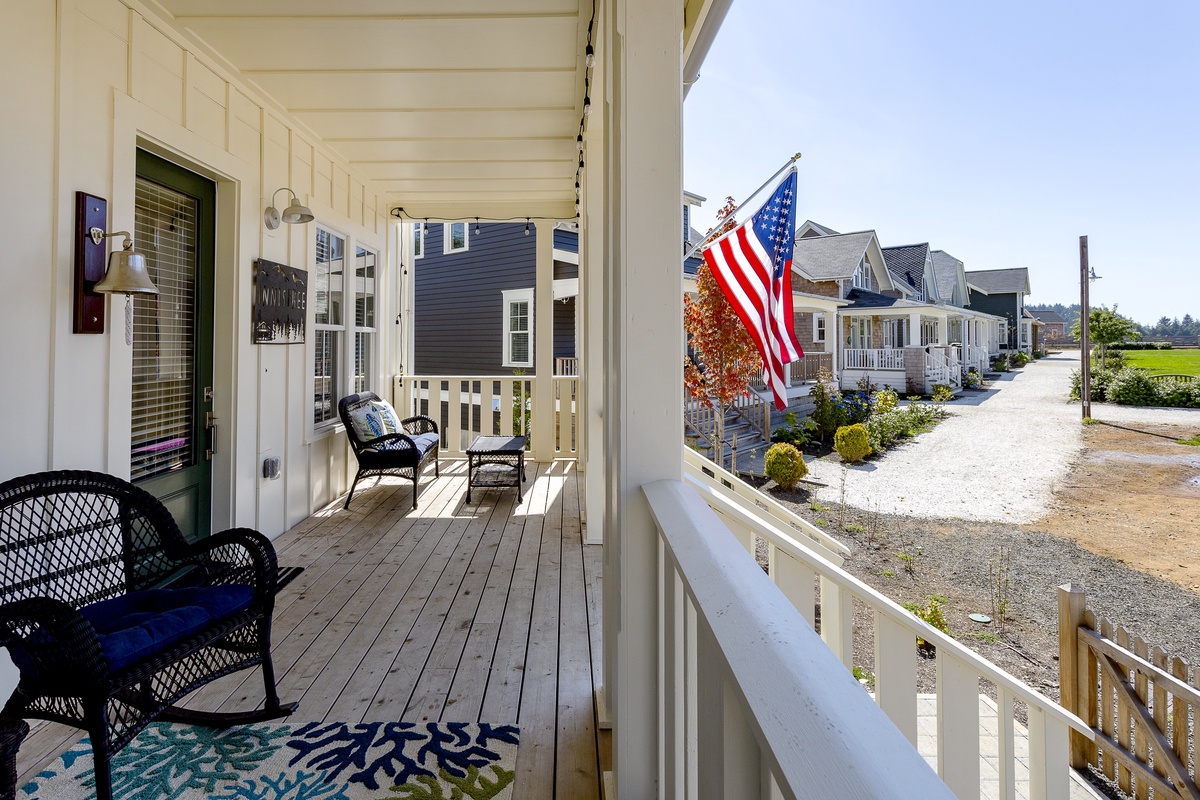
(329, 327)
(365, 338)
(345, 338)
(418, 231)
(860, 333)
(518, 327)
(818, 328)
(862, 275)
(454, 237)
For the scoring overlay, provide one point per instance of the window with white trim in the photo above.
(345, 349)
(366, 265)
(929, 332)
(862, 275)
(329, 327)
(518, 327)
(893, 333)
(454, 237)
(418, 231)
(818, 328)
(860, 333)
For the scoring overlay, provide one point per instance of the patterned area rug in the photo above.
(316, 761)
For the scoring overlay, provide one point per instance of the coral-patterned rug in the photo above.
(315, 761)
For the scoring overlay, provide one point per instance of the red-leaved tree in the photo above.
(726, 359)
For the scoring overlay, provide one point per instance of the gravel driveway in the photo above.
(997, 457)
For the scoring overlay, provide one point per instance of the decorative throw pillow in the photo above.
(387, 414)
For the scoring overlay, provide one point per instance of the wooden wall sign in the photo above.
(90, 263)
(280, 303)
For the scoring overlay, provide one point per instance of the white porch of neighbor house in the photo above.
(974, 338)
(714, 682)
(905, 347)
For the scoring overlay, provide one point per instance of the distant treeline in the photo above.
(1187, 326)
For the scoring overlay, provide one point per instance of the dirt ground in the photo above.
(1134, 498)
(1125, 524)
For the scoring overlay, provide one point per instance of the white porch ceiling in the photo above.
(455, 108)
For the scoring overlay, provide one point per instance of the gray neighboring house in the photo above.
(1002, 292)
(911, 266)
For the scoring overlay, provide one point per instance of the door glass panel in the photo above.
(164, 339)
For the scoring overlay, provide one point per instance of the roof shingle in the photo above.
(907, 264)
(832, 257)
(1000, 281)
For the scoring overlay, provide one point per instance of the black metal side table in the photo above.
(496, 461)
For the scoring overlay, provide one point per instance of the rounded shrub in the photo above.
(852, 442)
(785, 465)
(1133, 387)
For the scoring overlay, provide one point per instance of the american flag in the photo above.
(753, 266)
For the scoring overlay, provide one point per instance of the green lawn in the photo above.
(1165, 361)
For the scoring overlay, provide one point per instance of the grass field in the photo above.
(1165, 361)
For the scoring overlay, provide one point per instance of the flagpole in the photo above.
(790, 162)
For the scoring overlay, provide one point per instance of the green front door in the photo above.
(172, 430)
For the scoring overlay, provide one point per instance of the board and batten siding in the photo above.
(96, 81)
(1001, 305)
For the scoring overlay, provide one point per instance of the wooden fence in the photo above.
(1139, 701)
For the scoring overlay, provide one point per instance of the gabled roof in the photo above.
(1047, 316)
(830, 257)
(861, 298)
(809, 229)
(1000, 281)
(907, 264)
(945, 272)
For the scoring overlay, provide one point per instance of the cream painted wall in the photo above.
(94, 80)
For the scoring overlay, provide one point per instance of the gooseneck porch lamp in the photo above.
(292, 215)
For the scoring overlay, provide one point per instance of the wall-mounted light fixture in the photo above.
(292, 215)
(126, 274)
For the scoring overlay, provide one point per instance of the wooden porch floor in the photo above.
(485, 612)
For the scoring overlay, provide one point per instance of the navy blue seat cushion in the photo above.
(142, 624)
(423, 441)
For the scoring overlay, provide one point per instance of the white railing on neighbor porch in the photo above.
(806, 368)
(466, 406)
(566, 366)
(779, 716)
(938, 371)
(810, 580)
(977, 357)
(889, 358)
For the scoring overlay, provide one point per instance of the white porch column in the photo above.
(943, 330)
(543, 343)
(914, 328)
(591, 298)
(643, 363)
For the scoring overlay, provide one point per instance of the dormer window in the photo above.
(862, 275)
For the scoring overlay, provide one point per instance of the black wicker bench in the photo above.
(112, 616)
(403, 452)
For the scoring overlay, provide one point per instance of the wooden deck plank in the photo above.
(433, 686)
(502, 698)
(575, 771)
(539, 690)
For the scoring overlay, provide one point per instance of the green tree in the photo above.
(726, 359)
(1105, 327)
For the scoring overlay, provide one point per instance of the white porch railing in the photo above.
(779, 717)
(938, 370)
(806, 578)
(888, 358)
(466, 406)
(977, 357)
(566, 366)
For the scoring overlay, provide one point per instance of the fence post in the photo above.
(1072, 602)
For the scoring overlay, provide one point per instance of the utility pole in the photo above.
(1085, 350)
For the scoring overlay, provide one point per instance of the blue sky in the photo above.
(999, 132)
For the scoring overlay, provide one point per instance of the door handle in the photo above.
(210, 422)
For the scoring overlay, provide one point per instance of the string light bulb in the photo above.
(477, 226)
(589, 57)
(587, 105)
(527, 226)
(579, 142)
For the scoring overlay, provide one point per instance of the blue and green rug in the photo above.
(316, 761)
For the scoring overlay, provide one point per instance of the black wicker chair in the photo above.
(403, 454)
(112, 616)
